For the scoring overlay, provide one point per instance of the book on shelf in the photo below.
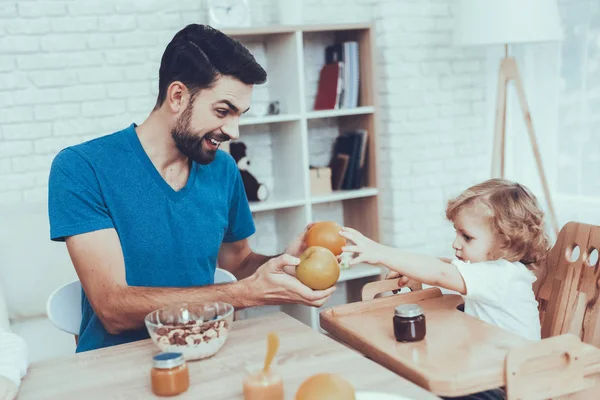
(348, 160)
(345, 56)
(330, 87)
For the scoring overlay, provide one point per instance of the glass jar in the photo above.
(409, 323)
(261, 386)
(170, 375)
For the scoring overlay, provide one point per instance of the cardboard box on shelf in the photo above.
(320, 181)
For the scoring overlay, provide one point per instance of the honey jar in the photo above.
(409, 323)
(170, 375)
(261, 386)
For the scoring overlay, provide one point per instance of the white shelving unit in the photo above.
(282, 147)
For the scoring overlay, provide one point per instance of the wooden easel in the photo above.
(509, 71)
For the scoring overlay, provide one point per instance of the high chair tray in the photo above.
(460, 354)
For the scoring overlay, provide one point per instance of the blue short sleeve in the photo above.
(75, 202)
(241, 224)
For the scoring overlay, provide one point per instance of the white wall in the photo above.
(578, 158)
(562, 83)
(73, 70)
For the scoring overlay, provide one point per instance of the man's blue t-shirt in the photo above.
(169, 238)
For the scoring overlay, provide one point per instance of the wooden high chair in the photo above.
(567, 290)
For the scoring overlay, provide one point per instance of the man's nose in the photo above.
(232, 128)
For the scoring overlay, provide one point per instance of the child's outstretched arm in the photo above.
(425, 269)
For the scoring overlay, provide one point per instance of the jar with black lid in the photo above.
(409, 323)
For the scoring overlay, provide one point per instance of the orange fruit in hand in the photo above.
(326, 234)
(325, 387)
(318, 268)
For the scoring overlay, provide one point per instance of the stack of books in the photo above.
(348, 160)
(339, 78)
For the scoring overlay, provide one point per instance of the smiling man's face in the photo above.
(211, 119)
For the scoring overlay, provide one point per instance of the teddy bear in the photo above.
(255, 191)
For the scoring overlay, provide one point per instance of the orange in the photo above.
(318, 268)
(325, 387)
(326, 234)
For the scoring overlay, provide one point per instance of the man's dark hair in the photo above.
(198, 54)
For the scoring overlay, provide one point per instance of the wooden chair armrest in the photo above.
(372, 289)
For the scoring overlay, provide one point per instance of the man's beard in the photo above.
(189, 142)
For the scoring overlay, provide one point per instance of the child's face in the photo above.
(474, 237)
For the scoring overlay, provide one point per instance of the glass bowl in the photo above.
(196, 330)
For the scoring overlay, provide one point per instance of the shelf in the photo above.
(269, 119)
(341, 112)
(359, 271)
(269, 205)
(279, 29)
(345, 195)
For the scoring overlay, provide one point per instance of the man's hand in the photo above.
(8, 389)
(298, 245)
(271, 284)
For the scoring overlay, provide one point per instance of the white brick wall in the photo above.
(73, 70)
(578, 158)
(430, 93)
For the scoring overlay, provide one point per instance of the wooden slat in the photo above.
(385, 302)
(372, 289)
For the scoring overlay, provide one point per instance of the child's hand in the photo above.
(369, 251)
(395, 275)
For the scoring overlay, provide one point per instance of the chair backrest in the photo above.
(64, 304)
(64, 307)
(568, 288)
(224, 276)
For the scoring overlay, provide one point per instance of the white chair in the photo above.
(64, 304)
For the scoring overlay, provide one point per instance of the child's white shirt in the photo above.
(500, 292)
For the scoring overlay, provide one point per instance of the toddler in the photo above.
(499, 241)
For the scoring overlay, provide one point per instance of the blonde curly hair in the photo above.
(515, 217)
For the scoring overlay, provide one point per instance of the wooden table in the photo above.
(123, 372)
(459, 355)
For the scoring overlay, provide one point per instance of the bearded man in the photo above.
(148, 212)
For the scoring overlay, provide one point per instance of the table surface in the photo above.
(123, 372)
(459, 355)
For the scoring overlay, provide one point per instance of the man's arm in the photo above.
(99, 263)
(239, 259)
(98, 260)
